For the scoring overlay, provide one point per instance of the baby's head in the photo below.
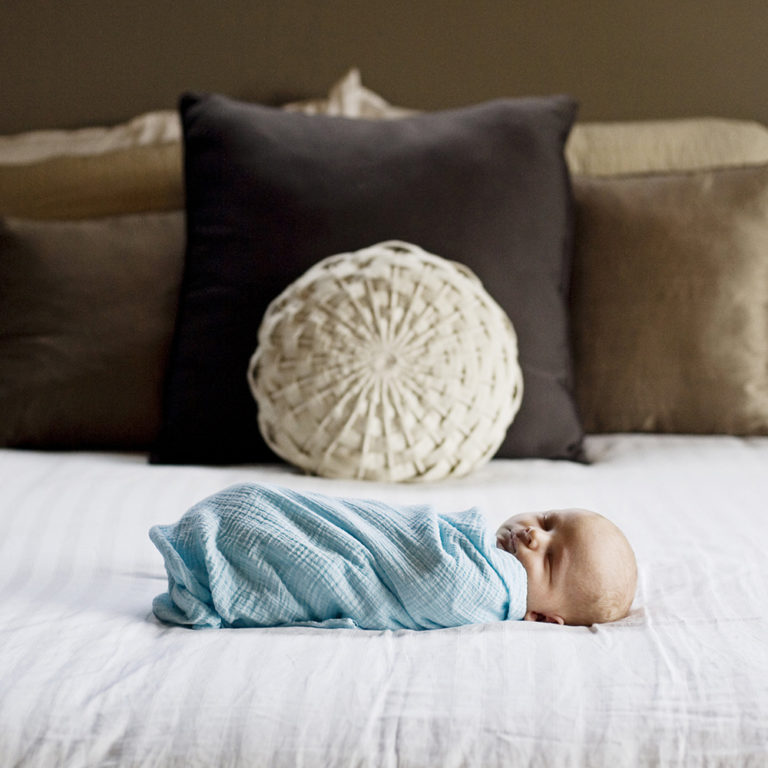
(581, 569)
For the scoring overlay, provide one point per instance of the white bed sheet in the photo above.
(88, 677)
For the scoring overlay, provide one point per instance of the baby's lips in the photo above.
(506, 540)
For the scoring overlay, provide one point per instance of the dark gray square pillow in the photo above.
(270, 192)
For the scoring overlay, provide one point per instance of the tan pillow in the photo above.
(93, 171)
(610, 149)
(87, 316)
(670, 302)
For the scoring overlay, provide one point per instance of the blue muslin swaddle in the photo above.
(262, 556)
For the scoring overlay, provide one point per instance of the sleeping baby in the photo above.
(264, 556)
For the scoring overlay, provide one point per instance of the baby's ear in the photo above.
(536, 616)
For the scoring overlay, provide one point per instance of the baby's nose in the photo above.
(524, 535)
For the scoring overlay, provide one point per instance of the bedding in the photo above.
(89, 677)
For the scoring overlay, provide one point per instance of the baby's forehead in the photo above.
(596, 539)
(579, 519)
(587, 530)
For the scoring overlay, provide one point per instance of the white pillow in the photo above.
(386, 364)
(349, 98)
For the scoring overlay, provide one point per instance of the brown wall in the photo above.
(74, 62)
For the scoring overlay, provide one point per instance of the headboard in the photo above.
(88, 62)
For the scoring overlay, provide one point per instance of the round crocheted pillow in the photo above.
(386, 364)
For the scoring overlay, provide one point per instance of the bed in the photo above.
(88, 676)
(91, 678)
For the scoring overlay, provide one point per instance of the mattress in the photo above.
(89, 677)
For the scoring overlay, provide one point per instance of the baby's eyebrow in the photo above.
(548, 517)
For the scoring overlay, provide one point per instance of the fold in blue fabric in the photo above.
(263, 556)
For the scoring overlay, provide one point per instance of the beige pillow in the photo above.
(92, 172)
(670, 302)
(610, 149)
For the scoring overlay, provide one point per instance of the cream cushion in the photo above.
(150, 129)
(386, 364)
(350, 98)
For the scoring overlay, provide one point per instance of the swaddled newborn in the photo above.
(262, 556)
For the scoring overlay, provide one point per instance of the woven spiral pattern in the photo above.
(386, 364)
